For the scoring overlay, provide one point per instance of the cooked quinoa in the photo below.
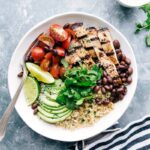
(86, 115)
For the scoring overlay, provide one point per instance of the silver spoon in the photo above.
(5, 118)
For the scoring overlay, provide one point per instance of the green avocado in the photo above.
(50, 115)
(57, 111)
(51, 107)
(48, 102)
(54, 120)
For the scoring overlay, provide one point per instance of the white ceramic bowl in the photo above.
(26, 113)
(133, 3)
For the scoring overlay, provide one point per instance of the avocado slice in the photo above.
(53, 120)
(61, 110)
(51, 107)
(46, 101)
(50, 115)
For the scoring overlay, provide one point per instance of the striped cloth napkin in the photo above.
(135, 136)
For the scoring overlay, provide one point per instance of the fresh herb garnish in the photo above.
(78, 86)
(146, 23)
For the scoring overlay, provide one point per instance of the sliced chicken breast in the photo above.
(107, 44)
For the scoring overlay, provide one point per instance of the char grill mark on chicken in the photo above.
(108, 65)
(79, 29)
(107, 44)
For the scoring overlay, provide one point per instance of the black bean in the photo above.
(110, 87)
(35, 111)
(114, 91)
(121, 96)
(122, 68)
(105, 80)
(116, 44)
(130, 70)
(106, 101)
(105, 74)
(34, 105)
(96, 89)
(118, 51)
(107, 87)
(20, 74)
(120, 90)
(123, 57)
(123, 63)
(103, 90)
(122, 75)
(125, 91)
(119, 55)
(128, 61)
(129, 80)
(109, 79)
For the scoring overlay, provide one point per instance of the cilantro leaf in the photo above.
(146, 7)
(78, 85)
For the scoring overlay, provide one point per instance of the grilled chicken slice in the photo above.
(79, 29)
(75, 44)
(107, 44)
(72, 58)
(92, 32)
(107, 64)
(82, 53)
(92, 52)
(88, 62)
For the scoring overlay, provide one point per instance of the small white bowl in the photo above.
(133, 3)
(26, 113)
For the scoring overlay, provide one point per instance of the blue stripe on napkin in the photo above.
(136, 135)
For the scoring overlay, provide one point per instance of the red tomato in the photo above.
(55, 59)
(58, 33)
(66, 43)
(37, 53)
(45, 64)
(60, 51)
(49, 55)
(55, 71)
(70, 32)
(62, 71)
(46, 41)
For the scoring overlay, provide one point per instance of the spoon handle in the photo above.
(5, 118)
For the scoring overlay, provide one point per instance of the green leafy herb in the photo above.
(146, 23)
(146, 7)
(78, 86)
(64, 63)
(147, 40)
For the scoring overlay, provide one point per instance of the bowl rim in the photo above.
(60, 15)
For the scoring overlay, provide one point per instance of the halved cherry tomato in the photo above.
(58, 33)
(55, 59)
(45, 63)
(46, 41)
(71, 32)
(62, 71)
(60, 51)
(55, 71)
(49, 55)
(66, 43)
(37, 53)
